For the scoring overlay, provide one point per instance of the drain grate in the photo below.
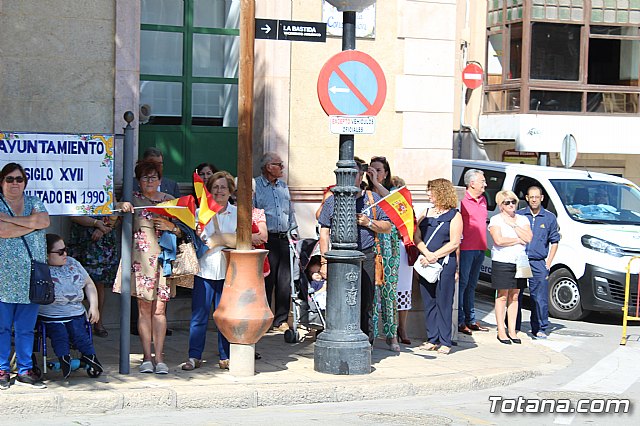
(576, 333)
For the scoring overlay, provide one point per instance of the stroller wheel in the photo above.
(291, 336)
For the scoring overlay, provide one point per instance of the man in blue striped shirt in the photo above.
(272, 195)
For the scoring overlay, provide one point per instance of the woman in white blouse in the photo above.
(510, 233)
(218, 234)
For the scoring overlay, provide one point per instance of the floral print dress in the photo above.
(100, 258)
(145, 270)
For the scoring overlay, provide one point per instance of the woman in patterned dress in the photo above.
(20, 216)
(379, 176)
(151, 287)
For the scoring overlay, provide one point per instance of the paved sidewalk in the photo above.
(284, 375)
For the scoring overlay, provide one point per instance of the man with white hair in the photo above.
(272, 195)
(473, 208)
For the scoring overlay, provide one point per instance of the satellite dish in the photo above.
(145, 113)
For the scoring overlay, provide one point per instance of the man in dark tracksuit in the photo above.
(541, 251)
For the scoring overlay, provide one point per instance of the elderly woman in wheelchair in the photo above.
(65, 319)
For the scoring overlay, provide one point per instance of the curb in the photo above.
(241, 395)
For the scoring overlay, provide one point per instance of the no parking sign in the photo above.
(352, 83)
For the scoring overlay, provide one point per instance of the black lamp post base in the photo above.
(340, 357)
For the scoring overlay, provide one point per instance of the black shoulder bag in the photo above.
(41, 290)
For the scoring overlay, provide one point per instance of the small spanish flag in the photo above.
(183, 209)
(398, 205)
(208, 207)
(198, 184)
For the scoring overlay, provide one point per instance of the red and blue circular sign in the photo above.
(352, 83)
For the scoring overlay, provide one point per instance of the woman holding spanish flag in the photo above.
(151, 287)
(218, 233)
(387, 245)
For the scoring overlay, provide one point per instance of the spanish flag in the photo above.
(198, 184)
(398, 205)
(183, 209)
(208, 207)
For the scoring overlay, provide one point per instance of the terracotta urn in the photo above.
(243, 315)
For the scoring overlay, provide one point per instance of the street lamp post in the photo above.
(343, 348)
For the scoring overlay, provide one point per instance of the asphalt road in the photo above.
(601, 369)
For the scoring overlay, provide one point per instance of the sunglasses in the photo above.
(11, 179)
(280, 164)
(379, 159)
(60, 252)
(149, 178)
(509, 202)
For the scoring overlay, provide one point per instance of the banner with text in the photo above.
(71, 174)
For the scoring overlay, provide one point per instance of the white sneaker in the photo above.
(162, 368)
(146, 367)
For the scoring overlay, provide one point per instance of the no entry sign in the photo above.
(472, 76)
(352, 83)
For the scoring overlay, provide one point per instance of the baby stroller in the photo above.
(304, 303)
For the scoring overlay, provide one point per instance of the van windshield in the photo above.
(599, 201)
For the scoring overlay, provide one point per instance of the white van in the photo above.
(599, 220)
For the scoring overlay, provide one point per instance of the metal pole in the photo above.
(343, 348)
(127, 235)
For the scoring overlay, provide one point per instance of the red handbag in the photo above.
(412, 254)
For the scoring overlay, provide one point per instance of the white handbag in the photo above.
(432, 271)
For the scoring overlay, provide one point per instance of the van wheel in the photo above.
(564, 296)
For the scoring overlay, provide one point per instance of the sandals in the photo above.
(404, 340)
(191, 364)
(393, 347)
(223, 364)
(444, 350)
(428, 346)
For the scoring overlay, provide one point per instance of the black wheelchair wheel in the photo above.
(291, 336)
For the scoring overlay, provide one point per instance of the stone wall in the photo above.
(57, 67)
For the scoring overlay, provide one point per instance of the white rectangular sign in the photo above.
(71, 174)
(352, 124)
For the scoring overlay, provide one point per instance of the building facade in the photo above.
(555, 68)
(77, 66)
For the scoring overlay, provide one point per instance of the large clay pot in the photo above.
(243, 315)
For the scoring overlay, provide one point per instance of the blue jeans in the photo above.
(539, 297)
(23, 319)
(205, 293)
(63, 334)
(470, 263)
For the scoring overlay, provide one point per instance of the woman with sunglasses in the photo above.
(510, 233)
(20, 216)
(65, 319)
(379, 178)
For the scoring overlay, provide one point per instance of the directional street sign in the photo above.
(272, 29)
(267, 29)
(351, 83)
